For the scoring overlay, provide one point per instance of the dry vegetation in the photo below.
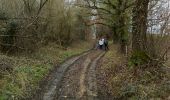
(108, 63)
(118, 80)
(168, 56)
(168, 61)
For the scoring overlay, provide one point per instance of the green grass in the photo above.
(29, 70)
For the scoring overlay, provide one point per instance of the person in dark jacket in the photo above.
(106, 44)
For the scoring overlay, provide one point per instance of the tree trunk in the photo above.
(139, 29)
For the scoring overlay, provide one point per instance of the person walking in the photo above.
(106, 44)
(101, 43)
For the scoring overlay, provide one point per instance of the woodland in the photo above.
(36, 35)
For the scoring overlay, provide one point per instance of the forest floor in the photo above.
(28, 70)
(118, 81)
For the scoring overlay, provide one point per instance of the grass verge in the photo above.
(121, 83)
(29, 70)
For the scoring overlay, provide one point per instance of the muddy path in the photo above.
(74, 80)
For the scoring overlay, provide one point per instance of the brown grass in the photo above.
(106, 71)
(121, 83)
(168, 61)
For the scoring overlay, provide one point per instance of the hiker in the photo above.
(101, 43)
(106, 45)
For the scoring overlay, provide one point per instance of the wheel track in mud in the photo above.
(79, 82)
(92, 92)
(54, 85)
(74, 79)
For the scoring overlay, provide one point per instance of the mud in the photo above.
(75, 79)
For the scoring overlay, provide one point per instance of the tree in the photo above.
(40, 22)
(115, 15)
(139, 30)
(149, 46)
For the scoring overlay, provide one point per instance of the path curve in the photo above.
(52, 86)
(79, 82)
(75, 79)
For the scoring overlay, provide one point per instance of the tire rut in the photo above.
(92, 92)
(75, 79)
(79, 82)
(54, 83)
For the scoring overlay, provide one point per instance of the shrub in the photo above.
(8, 38)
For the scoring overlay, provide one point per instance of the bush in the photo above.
(7, 42)
(3, 16)
(138, 58)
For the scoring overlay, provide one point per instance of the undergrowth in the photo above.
(29, 70)
(128, 83)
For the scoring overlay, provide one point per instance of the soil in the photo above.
(75, 79)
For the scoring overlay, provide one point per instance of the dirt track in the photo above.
(75, 79)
